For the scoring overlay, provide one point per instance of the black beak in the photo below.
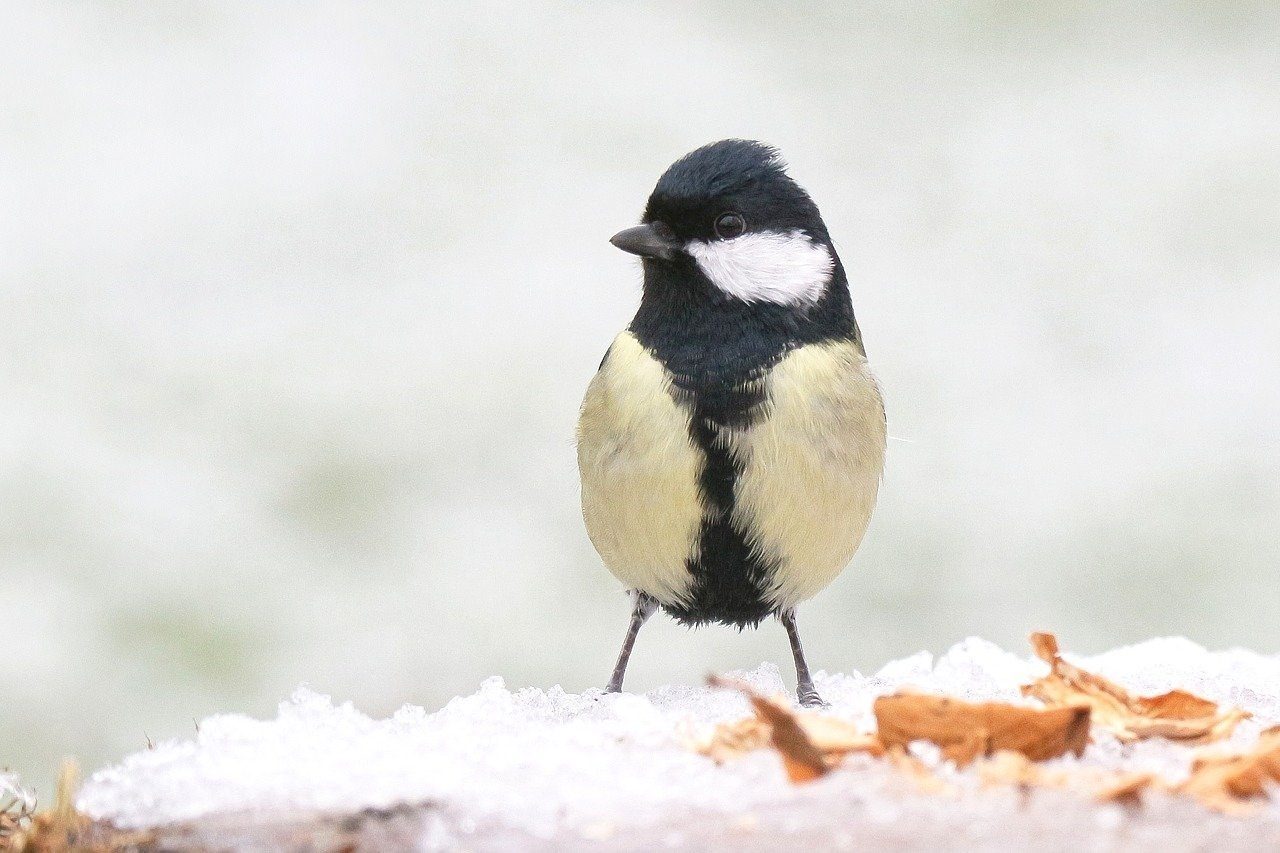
(647, 242)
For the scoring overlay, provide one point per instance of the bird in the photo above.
(731, 443)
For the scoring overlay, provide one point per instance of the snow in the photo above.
(545, 761)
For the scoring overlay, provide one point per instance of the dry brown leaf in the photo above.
(9, 827)
(62, 828)
(1008, 739)
(1177, 715)
(966, 730)
(57, 829)
(15, 815)
(917, 771)
(1014, 768)
(802, 758)
(1227, 783)
(836, 738)
(1007, 767)
(810, 744)
(734, 740)
(1127, 788)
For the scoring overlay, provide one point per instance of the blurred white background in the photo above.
(299, 301)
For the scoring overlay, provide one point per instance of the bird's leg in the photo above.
(645, 605)
(805, 690)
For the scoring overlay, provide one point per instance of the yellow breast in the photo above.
(811, 467)
(639, 472)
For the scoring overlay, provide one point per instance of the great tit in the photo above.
(732, 442)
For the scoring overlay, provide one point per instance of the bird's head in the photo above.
(728, 220)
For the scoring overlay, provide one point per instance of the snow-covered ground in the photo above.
(552, 764)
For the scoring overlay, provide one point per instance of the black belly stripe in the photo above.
(729, 576)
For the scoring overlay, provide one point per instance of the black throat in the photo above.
(718, 350)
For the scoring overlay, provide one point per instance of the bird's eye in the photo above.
(730, 225)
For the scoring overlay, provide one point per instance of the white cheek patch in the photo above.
(788, 269)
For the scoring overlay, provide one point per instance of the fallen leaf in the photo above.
(1013, 768)
(63, 829)
(734, 740)
(1126, 788)
(967, 730)
(803, 760)
(1177, 715)
(836, 738)
(1007, 740)
(917, 771)
(57, 829)
(1227, 783)
(810, 744)
(16, 808)
(1009, 768)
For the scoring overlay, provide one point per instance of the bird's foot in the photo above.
(809, 697)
